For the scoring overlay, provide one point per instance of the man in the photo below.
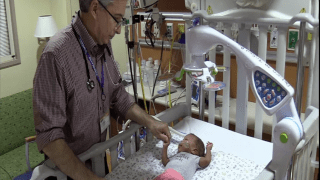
(70, 115)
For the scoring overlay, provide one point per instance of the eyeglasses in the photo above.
(118, 23)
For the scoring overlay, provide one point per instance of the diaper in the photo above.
(170, 174)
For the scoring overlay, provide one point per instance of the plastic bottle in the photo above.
(151, 60)
(143, 68)
(145, 78)
(149, 72)
(127, 75)
(155, 69)
(143, 64)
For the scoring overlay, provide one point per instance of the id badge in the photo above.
(104, 122)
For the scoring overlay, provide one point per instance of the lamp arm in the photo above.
(273, 93)
(203, 38)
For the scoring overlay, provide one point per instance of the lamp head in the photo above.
(46, 27)
(268, 86)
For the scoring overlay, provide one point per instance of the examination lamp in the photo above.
(273, 92)
(46, 28)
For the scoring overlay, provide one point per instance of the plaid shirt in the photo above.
(63, 106)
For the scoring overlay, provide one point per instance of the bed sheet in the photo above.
(243, 146)
(146, 163)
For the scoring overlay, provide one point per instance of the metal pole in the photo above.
(300, 68)
(130, 64)
(201, 18)
(201, 101)
(133, 56)
(188, 79)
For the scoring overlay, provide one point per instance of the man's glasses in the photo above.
(118, 23)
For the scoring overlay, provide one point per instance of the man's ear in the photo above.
(94, 7)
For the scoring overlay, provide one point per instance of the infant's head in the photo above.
(192, 144)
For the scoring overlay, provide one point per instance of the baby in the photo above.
(189, 158)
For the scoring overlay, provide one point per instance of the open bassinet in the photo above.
(234, 156)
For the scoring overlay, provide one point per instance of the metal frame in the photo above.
(14, 58)
(97, 152)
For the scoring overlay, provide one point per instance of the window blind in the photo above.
(4, 32)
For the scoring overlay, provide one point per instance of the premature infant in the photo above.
(189, 158)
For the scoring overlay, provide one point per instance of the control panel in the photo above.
(270, 92)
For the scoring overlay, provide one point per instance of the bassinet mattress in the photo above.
(228, 161)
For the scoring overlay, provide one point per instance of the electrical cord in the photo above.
(141, 82)
(151, 101)
(176, 100)
(148, 31)
(180, 95)
(155, 81)
(154, 84)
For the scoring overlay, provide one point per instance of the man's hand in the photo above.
(160, 130)
(63, 157)
(157, 128)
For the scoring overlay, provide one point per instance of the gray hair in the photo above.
(85, 4)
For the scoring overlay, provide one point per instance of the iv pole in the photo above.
(131, 52)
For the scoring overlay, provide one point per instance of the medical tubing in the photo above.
(141, 82)
(154, 84)
(139, 48)
(155, 81)
(169, 72)
(176, 100)
(179, 96)
(132, 80)
(170, 128)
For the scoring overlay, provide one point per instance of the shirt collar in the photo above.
(90, 44)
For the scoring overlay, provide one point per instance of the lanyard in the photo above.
(84, 51)
(93, 66)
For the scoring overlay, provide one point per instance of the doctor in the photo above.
(77, 86)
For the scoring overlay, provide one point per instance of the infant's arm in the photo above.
(205, 161)
(165, 158)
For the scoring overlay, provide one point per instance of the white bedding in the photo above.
(228, 141)
(227, 163)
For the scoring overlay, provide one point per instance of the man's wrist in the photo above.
(150, 121)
